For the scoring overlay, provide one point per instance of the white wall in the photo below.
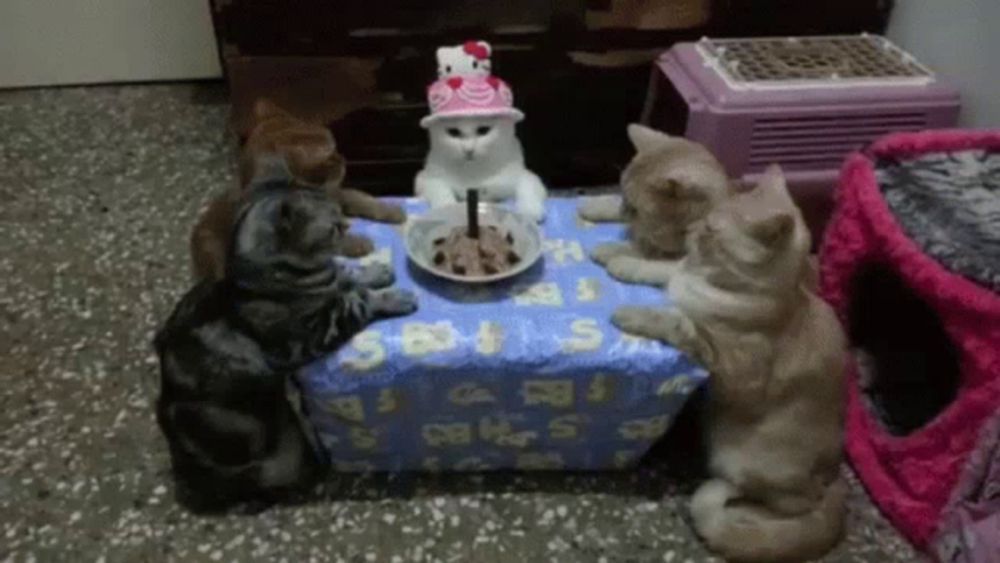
(45, 42)
(960, 39)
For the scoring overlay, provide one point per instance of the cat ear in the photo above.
(772, 230)
(644, 139)
(270, 167)
(773, 183)
(264, 108)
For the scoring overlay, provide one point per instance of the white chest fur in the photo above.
(482, 153)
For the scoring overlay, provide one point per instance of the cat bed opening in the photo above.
(910, 262)
(908, 368)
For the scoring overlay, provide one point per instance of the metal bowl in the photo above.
(422, 230)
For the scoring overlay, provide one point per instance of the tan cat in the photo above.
(312, 158)
(670, 183)
(744, 308)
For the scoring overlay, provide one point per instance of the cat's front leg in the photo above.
(530, 196)
(355, 246)
(434, 190)
(667, 325)
(606, 252)
(632, 269)
(601, 209)
(392, 302)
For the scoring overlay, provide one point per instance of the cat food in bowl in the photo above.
(504, 245)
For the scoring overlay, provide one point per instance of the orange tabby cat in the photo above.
(311, 155)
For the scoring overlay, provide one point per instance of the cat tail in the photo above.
(745, 532)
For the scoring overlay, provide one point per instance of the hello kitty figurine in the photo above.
(474, 145)
(471, 58)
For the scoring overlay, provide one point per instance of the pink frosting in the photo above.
(464, 96)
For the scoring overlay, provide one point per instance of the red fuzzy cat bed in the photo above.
(911, 262)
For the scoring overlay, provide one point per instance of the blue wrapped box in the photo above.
(528, 374)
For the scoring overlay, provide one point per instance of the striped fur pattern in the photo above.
(949, 204)
(228, 351)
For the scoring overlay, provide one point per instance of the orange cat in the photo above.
(310, 153)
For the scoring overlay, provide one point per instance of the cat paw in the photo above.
(633, 320)
(531, 211)
(603, 253)
(356, 246)
(600, 209)
(375, 275)
(394, 302)
(622, 268)
(392, 213)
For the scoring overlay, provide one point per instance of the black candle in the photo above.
(472, 208)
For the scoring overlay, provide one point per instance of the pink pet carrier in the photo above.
(803, 102)
(911, 262)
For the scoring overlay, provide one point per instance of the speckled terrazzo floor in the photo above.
(98, 187)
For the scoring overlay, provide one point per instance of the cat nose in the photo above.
(469, 153)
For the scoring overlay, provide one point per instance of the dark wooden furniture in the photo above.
(579, 73)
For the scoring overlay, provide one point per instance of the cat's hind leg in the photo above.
(708, 506)
(530, 196)
(434, 190)
(601, 209)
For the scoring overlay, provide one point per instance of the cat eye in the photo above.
(454, 132)
(482, 130)
(475, 64)
(447, 69)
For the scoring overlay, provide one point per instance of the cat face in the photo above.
(757, 237)
(470, 140)
(289, 225)
(668, 185)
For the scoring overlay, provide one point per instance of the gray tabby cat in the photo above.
(230, 347)
(670, 184)
(744, 308)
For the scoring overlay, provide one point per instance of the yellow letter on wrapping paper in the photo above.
(540, 461)
(588, 289)
(363, 438)
(448, 434)
(587, 337)
(678, 385)
(489, 340)
(420, 339)
(599, 390)
(563, 250)
(498, 430)
(371, 352)
(558, 393)
(348, 407)
(465, 394)
(565, 427)
(644, 428)
(544, 293)
(388, 400)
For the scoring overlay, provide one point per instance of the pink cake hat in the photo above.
(468, 96)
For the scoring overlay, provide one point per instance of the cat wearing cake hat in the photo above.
(473, 142)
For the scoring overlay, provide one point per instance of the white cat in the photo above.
(482, 153)
(472, 58)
